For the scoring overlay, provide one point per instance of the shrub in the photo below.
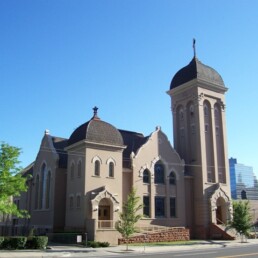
(14, 242)
(38, 242)
(18, 242)
(92, 244)
(41, 242)
(6, 243)
(29, 243)
(1, 241)
(95, 244)
(104, 244)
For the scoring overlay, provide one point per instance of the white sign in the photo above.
(79, 239)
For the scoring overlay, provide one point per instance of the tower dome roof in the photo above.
(196, 70)
(97, 131)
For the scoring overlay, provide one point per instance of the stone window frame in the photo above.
(97, 162)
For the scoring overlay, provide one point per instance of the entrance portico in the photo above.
(105, 207)
(221, 206)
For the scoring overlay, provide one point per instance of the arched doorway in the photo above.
(221, 206)
(105, 217)
(221, 211)
(105, 207)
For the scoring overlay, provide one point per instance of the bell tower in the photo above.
(197, 94)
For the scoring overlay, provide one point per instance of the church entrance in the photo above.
(104, 214)
(219, 215)
(221, 211)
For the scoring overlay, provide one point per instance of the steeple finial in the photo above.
(95, 113)
(194, 49)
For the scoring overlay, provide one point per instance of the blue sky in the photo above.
(58, 59)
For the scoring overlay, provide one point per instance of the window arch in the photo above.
(97, 168)
(72, 172)
(191, 132)
(191, 111)
(146, 176)
(42, 196)
(219, 143)
(48, 189)
(172, 178)
(79, 169)
(159, 173)
(208, 141)
(111, 169)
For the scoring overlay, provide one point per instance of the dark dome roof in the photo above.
(195, 69)
(97, 131)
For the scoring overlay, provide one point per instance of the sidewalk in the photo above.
(75, 251)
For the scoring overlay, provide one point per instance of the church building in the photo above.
(79, 184)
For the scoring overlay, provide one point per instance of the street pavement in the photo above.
(77, 251)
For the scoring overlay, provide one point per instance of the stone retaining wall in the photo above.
(171, 234)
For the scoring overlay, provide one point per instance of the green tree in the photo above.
(12, 183)
(129, 216)
(242, 218)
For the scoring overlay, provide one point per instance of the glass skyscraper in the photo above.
(242, 181)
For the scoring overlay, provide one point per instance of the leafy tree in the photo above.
(129, 216)
(12, 183)
(242, 218)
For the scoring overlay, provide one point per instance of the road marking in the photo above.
(238, 255)
(179, 255)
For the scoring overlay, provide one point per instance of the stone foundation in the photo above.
(170, 235)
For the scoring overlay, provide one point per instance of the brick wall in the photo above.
(171, 234)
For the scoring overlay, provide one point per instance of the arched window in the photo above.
(111, 169)
(191, 132)
(48, 189)
(206, 110)
(181, 114)
(72, 172)
(97, 168)
(172, 178)
(219, 143)
(42, 186)
(79, 172)
(159, 173)
(146, 176)
(210, 168)
(37, 193)
(191, 111)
